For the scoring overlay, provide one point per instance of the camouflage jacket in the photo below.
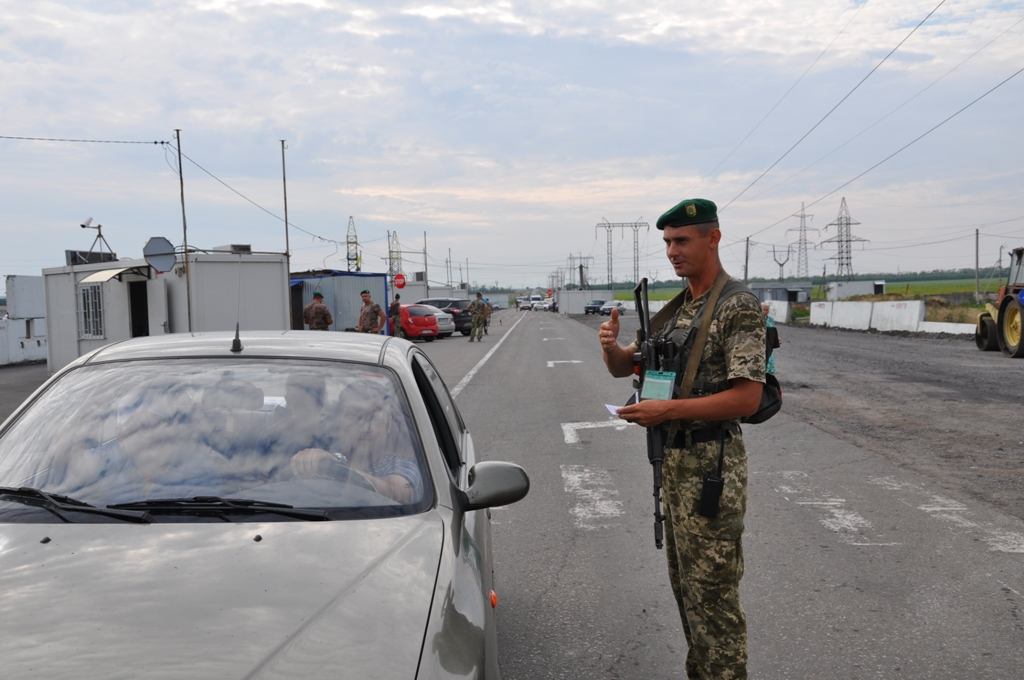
(317, 316)
(478, 308)
(735, 348)
(369, 316)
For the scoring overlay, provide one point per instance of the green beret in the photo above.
(318, 294)
(364, 292)
(689, 212)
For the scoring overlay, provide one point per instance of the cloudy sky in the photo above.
(508, 130)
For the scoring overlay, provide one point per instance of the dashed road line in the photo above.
(551, 364)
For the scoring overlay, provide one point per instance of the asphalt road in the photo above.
(856, 566)
(865, 558)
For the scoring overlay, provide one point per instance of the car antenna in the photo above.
(236, 344)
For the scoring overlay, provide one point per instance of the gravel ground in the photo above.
(936, 405)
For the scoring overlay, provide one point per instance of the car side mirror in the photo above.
(494, 483)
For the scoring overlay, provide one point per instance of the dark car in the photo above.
(593, 307)
(459, 309)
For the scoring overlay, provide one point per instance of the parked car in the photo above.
(418, 323)
(458, 308)
(445, 323)
(542, 306)
(606, 308)
(296, 504)
(593, 307)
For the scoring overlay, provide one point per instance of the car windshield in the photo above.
(420, 310)
(327, 435)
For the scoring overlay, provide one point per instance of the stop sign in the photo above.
(549, 292)
(399, 280)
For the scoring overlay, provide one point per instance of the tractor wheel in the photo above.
(985, 336)
(1010, 317)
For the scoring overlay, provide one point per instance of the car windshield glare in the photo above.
(327, 435)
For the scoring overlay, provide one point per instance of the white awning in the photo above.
(106, 274)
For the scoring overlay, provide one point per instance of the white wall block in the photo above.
(852, 315)
(952, 328)
(897, 316)
(821, 313)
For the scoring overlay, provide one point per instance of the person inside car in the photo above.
(366, 432)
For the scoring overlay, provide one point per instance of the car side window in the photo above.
(444, 417)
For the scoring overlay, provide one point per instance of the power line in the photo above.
(79, 141)
(845, 97)
(920, 92)
(781, 99)
(901, 149)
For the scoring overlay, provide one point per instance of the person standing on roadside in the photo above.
(705, 554)
(316, 315)
(395, 312)
(371, 316)
(478, 308)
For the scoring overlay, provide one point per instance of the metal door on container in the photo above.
(156, 294)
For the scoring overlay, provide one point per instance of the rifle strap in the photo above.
(693, 361)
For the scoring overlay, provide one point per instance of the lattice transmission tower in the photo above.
(352, 242)
(394, 255)
(844, 238)
(801, 244)
(635, 226)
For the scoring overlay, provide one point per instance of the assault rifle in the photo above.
(653, 356)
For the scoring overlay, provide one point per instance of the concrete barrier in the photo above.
(904, 315)
(952, 328)
(821, 313)
(779, 310)
(852, 315)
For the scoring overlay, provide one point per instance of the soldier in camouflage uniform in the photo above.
(705, 556)
(479, 309)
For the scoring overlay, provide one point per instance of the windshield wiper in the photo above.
(55, 503)
(220, 507)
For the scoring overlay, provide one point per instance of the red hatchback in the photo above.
(418, 321)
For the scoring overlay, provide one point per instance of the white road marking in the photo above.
(546, 339)
(551, 364)
(948, 510)
(594, 495)
(849, 525)
(469, 376)
(570, 430)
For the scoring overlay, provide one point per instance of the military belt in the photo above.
(687, 438)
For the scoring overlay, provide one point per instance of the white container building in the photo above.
(92, 305)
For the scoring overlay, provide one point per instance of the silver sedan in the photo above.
(445, 322)
(295, 504)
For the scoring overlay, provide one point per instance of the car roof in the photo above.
(360, 347)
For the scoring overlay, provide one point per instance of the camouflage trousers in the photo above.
(705, 576)
(478, 329)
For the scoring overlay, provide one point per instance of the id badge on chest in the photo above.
(658, 385)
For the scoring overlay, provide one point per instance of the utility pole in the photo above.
(284, 184)
(977, 273)
(184, 231)
(746, 261)
(426, 279)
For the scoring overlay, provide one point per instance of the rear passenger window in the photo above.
(444, 416)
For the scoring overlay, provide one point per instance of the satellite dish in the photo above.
(159, 254)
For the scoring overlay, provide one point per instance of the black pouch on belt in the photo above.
(711, 489)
